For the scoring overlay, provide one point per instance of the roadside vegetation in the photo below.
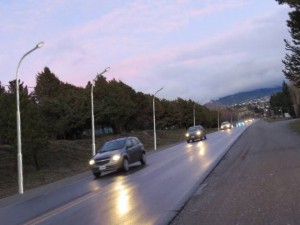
(295, 125)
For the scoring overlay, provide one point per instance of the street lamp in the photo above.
(154, 127)
(194, 116)
(218, 118)
(20, 164)
(92, 104)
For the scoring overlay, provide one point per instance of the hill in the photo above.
(242, 97)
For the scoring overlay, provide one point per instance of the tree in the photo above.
(74, 108)
(184, 112)
(291, 3)
(166, 114)
(120, 107)
(292, 60)
(288, 104)
(63, 107)
(144, 112)
(282, 101)
(7, 117)
(46, 92)
(295, 97)
(2, 89)
(33, 135)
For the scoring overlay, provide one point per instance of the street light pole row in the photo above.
(19, 143)
(19, 156)
(92, 104)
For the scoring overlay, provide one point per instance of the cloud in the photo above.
(215, 7)
(244, 58)
(186, 46)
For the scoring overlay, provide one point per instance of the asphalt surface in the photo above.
(151, 194)
(257, 182)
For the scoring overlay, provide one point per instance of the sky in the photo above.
(195, 49)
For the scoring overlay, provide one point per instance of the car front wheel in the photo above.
(143, 159)
(97, 175)
(125, 165)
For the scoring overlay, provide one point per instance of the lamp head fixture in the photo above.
(39, 45)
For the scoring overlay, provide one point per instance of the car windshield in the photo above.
(113, 145)
(225, 123)
(191, 129)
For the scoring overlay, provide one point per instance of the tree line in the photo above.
(58, 110)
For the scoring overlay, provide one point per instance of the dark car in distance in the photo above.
(118, 154)
(195, 133)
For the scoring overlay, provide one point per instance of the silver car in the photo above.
(118, 154)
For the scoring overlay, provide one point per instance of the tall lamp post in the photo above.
(194, 116)
(218, 118)
(154, 126)
(92, 110)
(20, 163)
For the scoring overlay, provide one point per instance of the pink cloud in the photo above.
(217, 7)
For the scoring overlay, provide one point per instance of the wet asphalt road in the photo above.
(257, 182)
(151, 194)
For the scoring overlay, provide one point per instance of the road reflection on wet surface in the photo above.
(150, 194)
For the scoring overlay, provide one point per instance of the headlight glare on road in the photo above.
(116, 157)
(92, 162)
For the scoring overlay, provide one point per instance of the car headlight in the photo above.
(187, 135)
(198, 132)
(116, 157)
(92, 162)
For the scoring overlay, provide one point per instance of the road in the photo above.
(257, 181)
(151, 194)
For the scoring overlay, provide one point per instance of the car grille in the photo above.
(102, 162)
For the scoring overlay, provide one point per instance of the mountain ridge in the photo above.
(242, 97)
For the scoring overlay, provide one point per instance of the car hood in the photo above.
(105, 155)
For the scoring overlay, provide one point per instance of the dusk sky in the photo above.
(195, 49)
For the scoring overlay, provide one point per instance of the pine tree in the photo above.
(292, 59)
